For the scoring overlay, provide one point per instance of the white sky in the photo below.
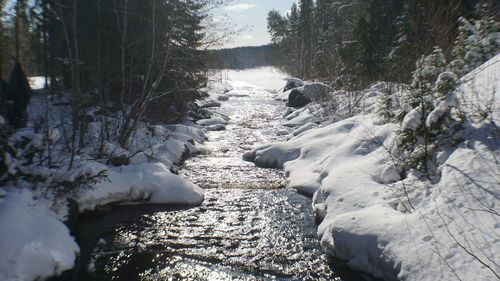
(252, 14)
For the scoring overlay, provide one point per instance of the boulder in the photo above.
(297, 99)
(293, 83)
(316, 91)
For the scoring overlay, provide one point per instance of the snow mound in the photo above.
(298, 82)
(271, 156)
(215, 120)
(316, 91)
(190, 130)
(306, 127)
(149, 182)
(33, 243)
(209, 103)
(301, 118)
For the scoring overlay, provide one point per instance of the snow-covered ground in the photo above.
(33, 242)
(410, 229)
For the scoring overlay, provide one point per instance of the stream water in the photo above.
(248, 228)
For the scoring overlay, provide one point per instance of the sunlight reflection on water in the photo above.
(255, 120)
(236, 234)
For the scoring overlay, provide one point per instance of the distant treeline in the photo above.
(245, 57)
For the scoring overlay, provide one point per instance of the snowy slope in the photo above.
(400, 230)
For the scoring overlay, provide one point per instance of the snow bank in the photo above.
(149, 183)
(367, 219)
(395, 229)
(149, 177)
(33, 243)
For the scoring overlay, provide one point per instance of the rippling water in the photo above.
(254, 120)
(248, 228)
(236, 234)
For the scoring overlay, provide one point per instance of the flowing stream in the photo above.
(248, 228)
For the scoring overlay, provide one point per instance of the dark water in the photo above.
(248, 228)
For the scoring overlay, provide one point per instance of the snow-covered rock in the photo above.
(209, 103)
(282, 132)
(215, 120)
(292, 83)
(271, 156)
(302, 119)
(316, 91)
(191, 130)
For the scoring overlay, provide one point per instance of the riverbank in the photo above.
(394, 228)
(35, 220)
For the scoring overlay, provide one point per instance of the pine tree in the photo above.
(417, 140)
